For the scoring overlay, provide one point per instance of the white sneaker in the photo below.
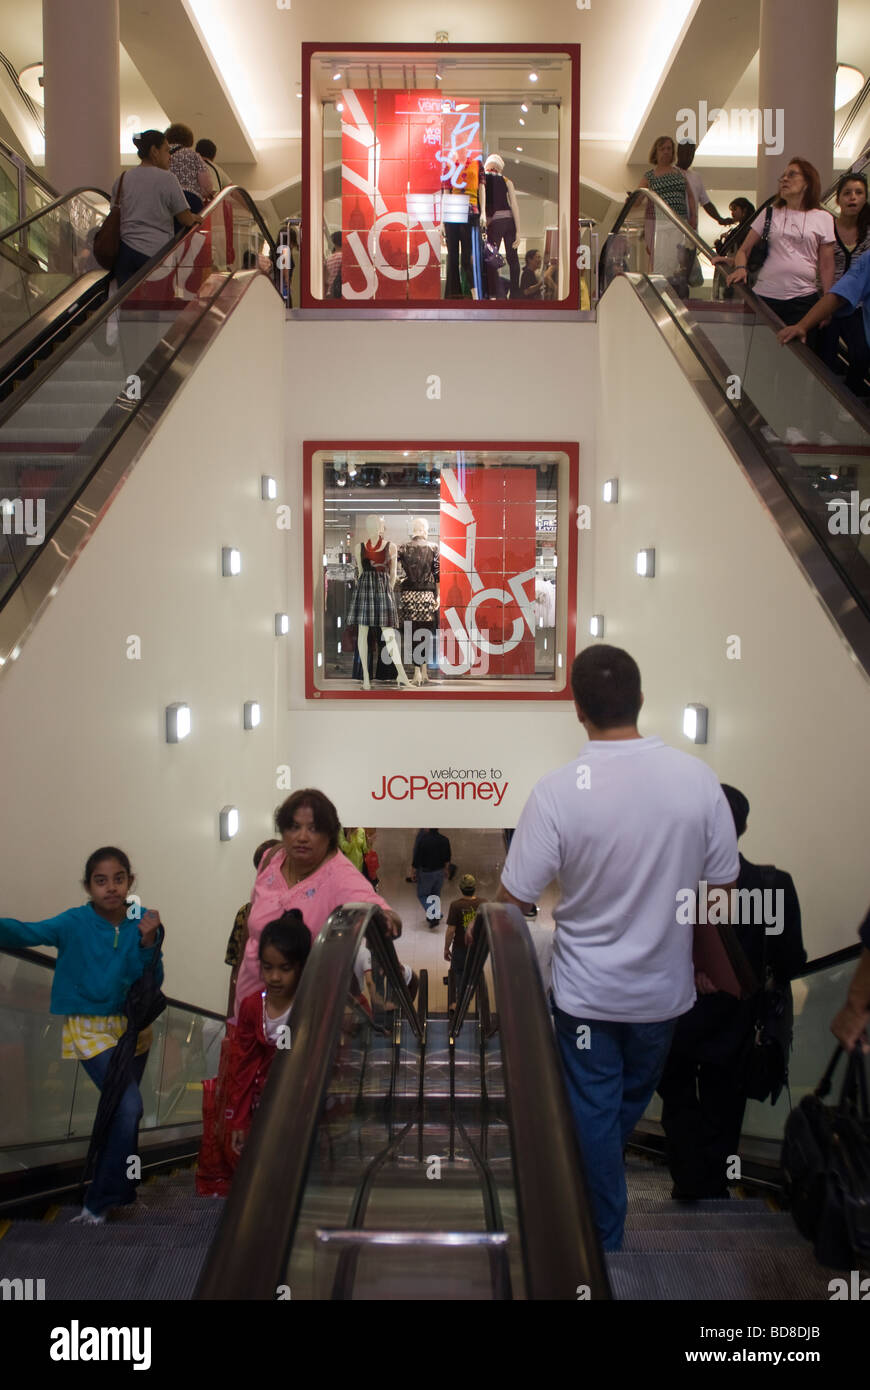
(794, 436)
(87, 1218)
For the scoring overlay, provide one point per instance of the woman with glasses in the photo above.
(800, 246)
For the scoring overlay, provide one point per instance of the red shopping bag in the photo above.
(214, 1171)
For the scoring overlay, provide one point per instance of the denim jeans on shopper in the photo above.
(110, 1186)
(429, 885)
(610, 1078)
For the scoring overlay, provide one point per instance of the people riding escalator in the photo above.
(150, 199)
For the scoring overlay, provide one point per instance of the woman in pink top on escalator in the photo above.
(307, 871)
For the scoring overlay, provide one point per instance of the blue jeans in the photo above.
(429, 884)
(610, 1083)
(110, 1186)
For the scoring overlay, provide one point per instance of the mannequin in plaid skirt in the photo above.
(373, 603)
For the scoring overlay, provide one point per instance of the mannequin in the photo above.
(419, 594)
(373, 603)
(502, 222)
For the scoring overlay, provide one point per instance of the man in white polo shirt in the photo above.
(626, 826)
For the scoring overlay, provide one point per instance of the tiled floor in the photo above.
(478, 852)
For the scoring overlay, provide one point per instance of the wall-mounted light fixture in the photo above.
(610, 490)
(177, 722)
(229, 821)
(695, 723)
(231, 561)
(282, 624)
(645, 564)
(268, 488)
(252, 714)
(596, 625)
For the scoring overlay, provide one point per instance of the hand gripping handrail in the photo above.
(561, 1247)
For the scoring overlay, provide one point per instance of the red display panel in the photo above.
(487, 526)
(398, 151)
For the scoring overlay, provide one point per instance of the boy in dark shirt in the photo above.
(462, 913)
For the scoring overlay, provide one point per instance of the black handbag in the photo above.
(826, 1167)
(107, 238)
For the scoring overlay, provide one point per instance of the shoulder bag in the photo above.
(765, 1061)
(107, 241)
(826, 1167)
(758, 255)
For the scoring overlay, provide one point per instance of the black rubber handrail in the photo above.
(560, 1242)
(49, 963)
(50, 207)
(805, 354)
(248, 1257)
(114, 301)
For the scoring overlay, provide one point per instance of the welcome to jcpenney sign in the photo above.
(445, 784)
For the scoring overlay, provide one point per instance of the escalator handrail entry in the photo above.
(50, 207)
(805, 354)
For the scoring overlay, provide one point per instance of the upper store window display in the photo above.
(440, 569)
(441, 175)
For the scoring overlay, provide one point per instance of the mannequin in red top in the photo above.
(373, 603)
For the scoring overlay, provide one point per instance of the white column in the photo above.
(81, 54)
(796, 75)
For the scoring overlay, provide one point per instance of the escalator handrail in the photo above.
(248, 1257)
(805, 354)
(51, 207)
(49, 963)
(98, 319)
(560, 1242)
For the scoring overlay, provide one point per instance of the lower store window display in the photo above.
(440, 571)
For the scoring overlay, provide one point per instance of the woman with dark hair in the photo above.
(149, 198)
(308, 872)
(852, 230)
(800, 246)
(189, 167)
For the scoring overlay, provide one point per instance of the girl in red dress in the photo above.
(264, 1022)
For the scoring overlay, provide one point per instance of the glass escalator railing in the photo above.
(404, 1167)
(47, 1105)
(42, 257)
(22, 191)
(63, 420)
(813, 434)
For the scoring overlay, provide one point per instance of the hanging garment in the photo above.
(373, 604)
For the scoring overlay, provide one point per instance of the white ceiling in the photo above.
(233, 70)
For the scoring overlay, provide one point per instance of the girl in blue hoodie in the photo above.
(102, 948)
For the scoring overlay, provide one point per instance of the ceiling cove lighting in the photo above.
(231, 561)
(229, 822)
(268, 489)
(282, 624)
(610, 490)
(252, 714)
(596, 625)
(645, 563)
(848, 84)
(695, 723)
(177, 722)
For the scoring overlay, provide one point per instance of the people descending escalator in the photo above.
(708, 1073)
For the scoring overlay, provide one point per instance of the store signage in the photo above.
(487, 527)
(449, 784)
(399, 150)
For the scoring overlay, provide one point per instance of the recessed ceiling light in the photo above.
(533, 77)
(849, 83)
(522, 122)
(336, 77)
(519, 149)
(32, 80)
(523, 106)
(339, 106)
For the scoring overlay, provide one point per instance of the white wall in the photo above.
(87, 763)
(789, 720)
(500, 381)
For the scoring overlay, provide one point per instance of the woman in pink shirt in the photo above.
(307, 872)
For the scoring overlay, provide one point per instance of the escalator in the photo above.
(74, 423)
(801, 437)
(407, 1152)
(22, 189)
(49, 280)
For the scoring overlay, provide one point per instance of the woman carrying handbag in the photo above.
(146, 200)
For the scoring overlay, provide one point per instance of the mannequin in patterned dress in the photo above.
(418, 596)
(373, 603)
